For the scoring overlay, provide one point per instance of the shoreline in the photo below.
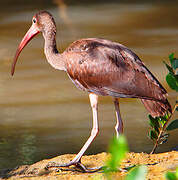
(157, 165)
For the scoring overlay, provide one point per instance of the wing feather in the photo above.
(109, 68)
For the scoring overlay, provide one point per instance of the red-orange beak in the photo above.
(28, 36)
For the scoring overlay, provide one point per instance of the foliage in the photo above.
(158, 133)
(118, 149)
(172, 76)
(159, 125)
(172, 175)
(137, 173)
(173, 125)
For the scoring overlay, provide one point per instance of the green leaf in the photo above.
(153, 135)
(171, 58)
(155, 127)
(175, 64)
(137, 173)
(170, 69)
(163, 119)
(173, 61)
(173, 125)
(118, 149)
(166, 116)
(170, 176)
(172, 81)
(154, 123)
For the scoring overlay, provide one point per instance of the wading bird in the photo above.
(100, 67)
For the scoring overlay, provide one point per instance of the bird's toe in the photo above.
(78, 167)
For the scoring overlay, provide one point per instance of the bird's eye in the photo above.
(34, 20)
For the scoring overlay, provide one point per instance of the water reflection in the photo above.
(27, 149)
(42, 113)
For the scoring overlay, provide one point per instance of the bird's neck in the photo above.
(53, 57)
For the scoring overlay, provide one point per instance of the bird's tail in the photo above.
(157, 108)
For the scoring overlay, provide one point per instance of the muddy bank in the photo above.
(157, 165)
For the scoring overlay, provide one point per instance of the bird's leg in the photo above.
(94, 132)
(119, 124)
(77, 160)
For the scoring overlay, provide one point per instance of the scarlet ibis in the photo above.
(100, 67)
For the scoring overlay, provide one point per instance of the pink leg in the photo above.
(94, 132)
(119, 124)
(77, 160)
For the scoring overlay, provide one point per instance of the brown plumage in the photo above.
(100, 67)
(110, 69)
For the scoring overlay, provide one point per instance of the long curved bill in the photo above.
(28, 36)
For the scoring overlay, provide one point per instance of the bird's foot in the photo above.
(79, 167)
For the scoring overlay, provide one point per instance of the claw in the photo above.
(88, 170)
(80, 167)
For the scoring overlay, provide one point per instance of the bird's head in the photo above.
(41, 22)
(44, 22)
